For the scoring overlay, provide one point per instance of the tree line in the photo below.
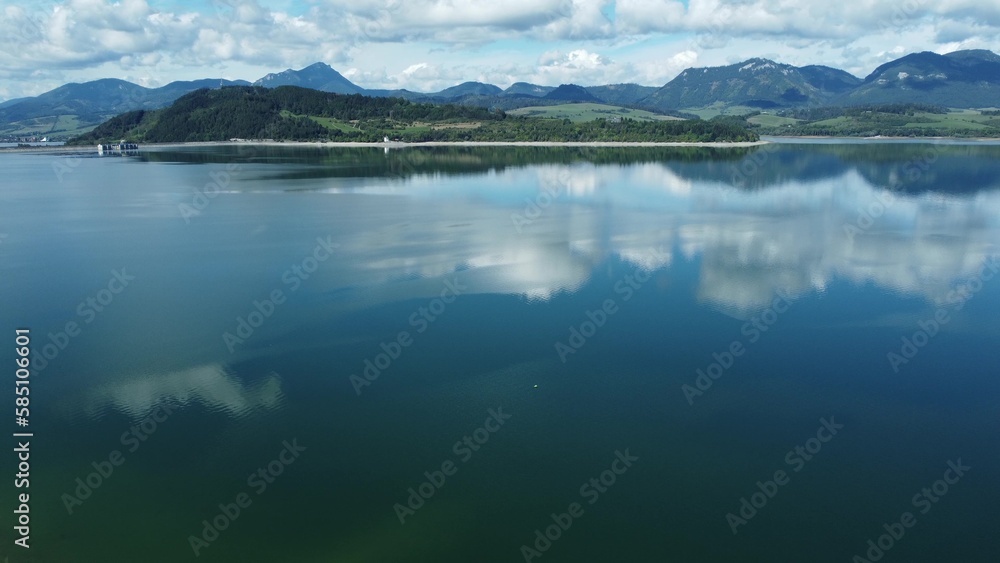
(301, 114)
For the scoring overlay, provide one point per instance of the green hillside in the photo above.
(588, 112)
(299, 114)
(758, 83)
(962, 79)
(888, 120)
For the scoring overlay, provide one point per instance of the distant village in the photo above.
(26, 139)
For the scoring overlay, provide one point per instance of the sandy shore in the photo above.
(769, 139)
(779, 138)
(391, 145)
(518, 144)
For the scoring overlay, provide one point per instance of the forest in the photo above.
(290, 113)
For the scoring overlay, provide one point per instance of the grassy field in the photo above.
(576, 112)
(936, 123)
(954, 123)
(719, 108)
(769, 120)
(331, 123)
(957, 119)
(416, 127)
(588, 112)
(55, 127)
(957, 122)
(835, 122)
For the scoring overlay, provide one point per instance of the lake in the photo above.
(452, 354)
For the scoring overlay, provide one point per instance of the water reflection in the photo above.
(795, 236)
(537, 239)
(537, 223)
(208, 385)
(917, 166)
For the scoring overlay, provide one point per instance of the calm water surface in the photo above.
(814, 323)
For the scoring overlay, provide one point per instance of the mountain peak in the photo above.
(527, 89)
(758, 64)
(470, 88)
(755, 82)
(974, 56)
(963, 79)
(571, 93)
(318, 76)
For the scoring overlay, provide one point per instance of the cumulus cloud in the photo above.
(82, 33)
(581, 66)
(556, 68)
(792, 18)
(549, 41)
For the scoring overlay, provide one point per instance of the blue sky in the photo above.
(427, 45)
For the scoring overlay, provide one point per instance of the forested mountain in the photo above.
(318, 76)
(829, 79)
(621, 94)
(293, 113)
(526, 89)
(963, 79)
(755, 82)
(467, 89)
(571, 93)
(95, 101)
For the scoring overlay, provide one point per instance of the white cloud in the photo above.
(575, 66)
(787, 236)
(644, 16)
(599, 41)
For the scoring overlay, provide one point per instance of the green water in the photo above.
(353, 319)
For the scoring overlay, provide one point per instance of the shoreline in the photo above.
(884, 138)
(765, 140)
(400, 145)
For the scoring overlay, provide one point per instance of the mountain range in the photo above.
(95, 101)
(962, 79)
(756, 83)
